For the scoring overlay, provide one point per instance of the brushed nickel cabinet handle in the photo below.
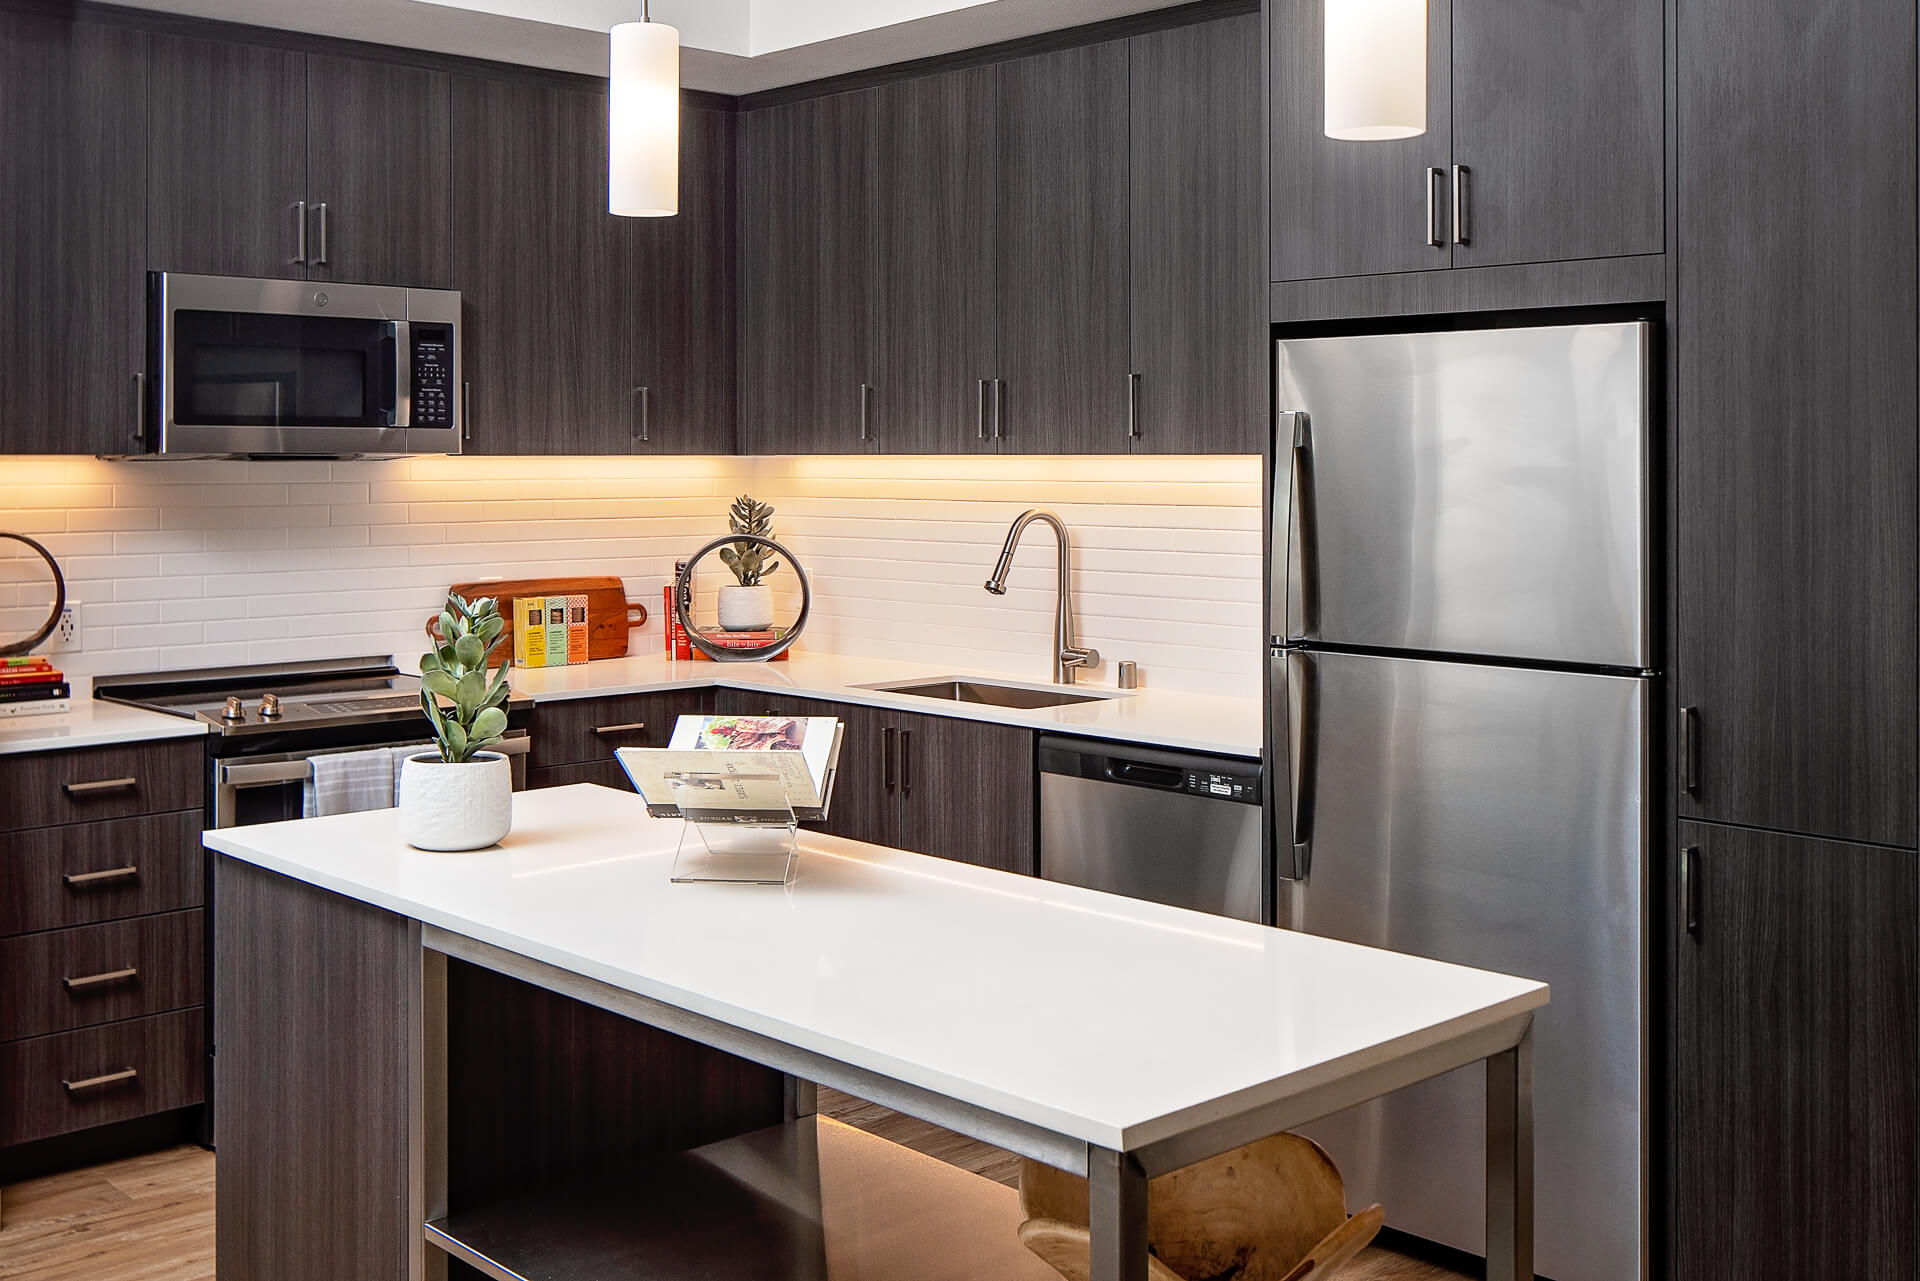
(320, 234)
(906, 762)
(633, 727)
(138, 437)
(103, 785)
(1690, 888)
(1460, 175)
(866, 411)
(466, 411)
(886, 756)
(1434, 238)
(999, 407)
(299, 232)
(1689, 750)
(95, 1082)
(1133, 406)
(982, 408)
(80, 880)
(98, 980)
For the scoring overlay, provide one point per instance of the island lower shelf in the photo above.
(809, 1200)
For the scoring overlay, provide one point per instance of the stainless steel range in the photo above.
(269, 722)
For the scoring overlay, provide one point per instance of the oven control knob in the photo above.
(269, 707)
(234, 710)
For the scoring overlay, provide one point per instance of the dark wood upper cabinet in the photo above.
(808, 283)
(1064, 255)
(73, 222)
(544, 270)
(1352, 208)
(938, 202)
(1199, 322)
(1545, 142)
(1795, 430)
(1559, 119)
(1796, 1043)
(227, 158)
(379, 153)
(685, 366)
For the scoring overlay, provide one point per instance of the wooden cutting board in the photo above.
(610, 615)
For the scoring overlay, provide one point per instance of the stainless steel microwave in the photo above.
(300, 369)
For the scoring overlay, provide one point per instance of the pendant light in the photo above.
(1376, 69)
(643, 119)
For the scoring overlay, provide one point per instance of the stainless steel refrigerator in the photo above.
(1458, 721)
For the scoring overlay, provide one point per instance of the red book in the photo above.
(28, 675)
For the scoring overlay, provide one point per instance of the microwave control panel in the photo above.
(432, 375)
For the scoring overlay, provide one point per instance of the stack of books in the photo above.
(32, 685)
(741, 640)
(549, 631)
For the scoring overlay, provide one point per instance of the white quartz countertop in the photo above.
(1164, 718)
(1115, 1022)
(92, 724)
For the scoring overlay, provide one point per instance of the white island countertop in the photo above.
(1105, 1020)
(92, 724)
(1230, 726)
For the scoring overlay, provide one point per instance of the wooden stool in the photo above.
(1275, 1210)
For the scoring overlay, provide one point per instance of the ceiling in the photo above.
(731, 46)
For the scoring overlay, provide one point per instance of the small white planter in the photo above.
(445, 807)
(746, 609)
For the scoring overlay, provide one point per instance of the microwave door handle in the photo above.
(402, 334)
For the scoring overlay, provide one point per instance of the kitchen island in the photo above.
(545, 1060)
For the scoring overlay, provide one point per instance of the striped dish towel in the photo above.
(349, 782)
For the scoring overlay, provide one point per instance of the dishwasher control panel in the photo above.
(1229, 787)
(1214, 778)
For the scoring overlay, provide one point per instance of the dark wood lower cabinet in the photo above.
(1795, 1058)
(53, 1085)
(940, 785)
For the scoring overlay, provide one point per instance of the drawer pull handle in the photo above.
(633, 727)
(97, 980)
(96, 1082)
(103, 785)
(80, 880)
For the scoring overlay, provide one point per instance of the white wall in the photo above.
(202, 564)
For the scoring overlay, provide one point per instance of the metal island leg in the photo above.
(1117, 1216)
(1510, 1162)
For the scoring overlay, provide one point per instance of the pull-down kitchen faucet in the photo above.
(1068, 658)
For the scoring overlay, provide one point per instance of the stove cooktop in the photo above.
(275, 697)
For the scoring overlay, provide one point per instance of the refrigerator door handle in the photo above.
(1303, 569)
(1302, 734)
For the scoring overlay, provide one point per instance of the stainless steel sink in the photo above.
(955, 690)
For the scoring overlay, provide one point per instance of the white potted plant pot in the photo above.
(746, 609)
(448, 808)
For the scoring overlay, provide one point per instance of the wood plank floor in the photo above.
(150, 1218)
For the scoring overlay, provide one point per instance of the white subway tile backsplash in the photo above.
(213, 562)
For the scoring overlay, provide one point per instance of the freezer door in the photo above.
(1490, 817)
(1480, 493)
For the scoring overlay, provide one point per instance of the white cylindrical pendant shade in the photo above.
(1376, 69)
(643, 121)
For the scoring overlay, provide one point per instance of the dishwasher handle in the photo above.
(1167, 778)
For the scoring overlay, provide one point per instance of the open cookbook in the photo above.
(743, 764)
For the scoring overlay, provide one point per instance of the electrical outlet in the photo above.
(66, 634)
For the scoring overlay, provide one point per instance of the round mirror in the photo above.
(746, 627)
(11, 648)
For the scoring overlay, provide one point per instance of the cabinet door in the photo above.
(73, 217)
(966, 791)
(379, 157)
(226, 158)
(1064, 341)
(544, 271)
(1199, 324)
(938, 189)
(1558, 117)
(1351, 208)
(1796, 416)
(807, 242)
(684, 367)
(1794, 1060)
(865, 799)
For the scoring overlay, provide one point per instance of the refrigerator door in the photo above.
(1489, 817)
(1479, 493)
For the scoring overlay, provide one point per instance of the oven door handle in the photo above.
(402, 333)
(266, 775)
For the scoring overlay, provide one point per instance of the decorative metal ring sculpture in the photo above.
(683, 595)
(59, 600)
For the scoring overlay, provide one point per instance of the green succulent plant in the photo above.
(749, 561)
(457, 670)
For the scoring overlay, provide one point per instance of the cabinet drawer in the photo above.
(57, 1084)
(578, 730)
(605, 773)
(55, 877)
(88, 783)
(66, 979)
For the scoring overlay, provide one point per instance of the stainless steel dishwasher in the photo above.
(1174, 827)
